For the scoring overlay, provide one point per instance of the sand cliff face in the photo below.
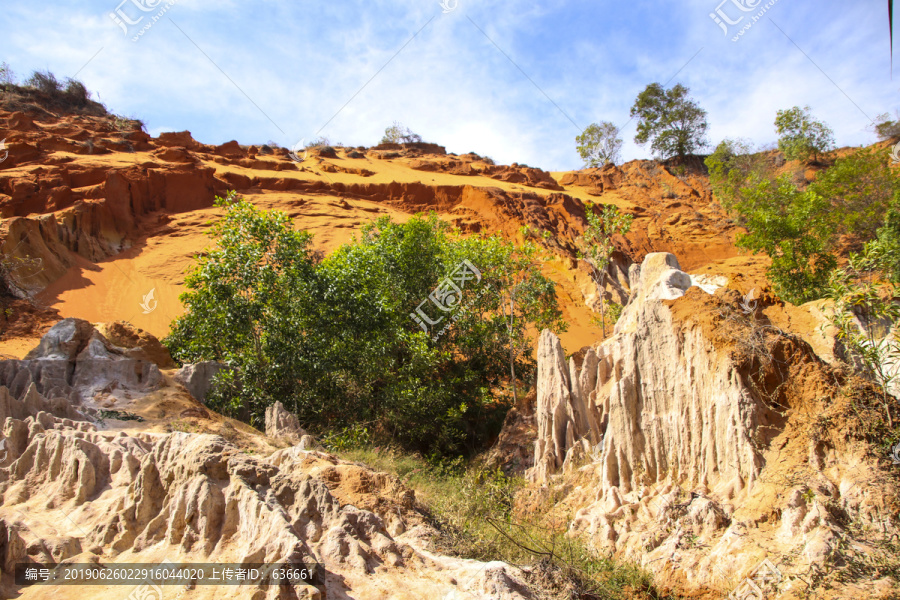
(103, 214)
(690, 432)
(699, 440)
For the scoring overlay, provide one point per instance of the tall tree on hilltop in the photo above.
(669, 119)
(599, 144)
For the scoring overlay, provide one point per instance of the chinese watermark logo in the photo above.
(895, 153)
(149, 303)
(134, 17)
(299, 152)
(723, 18)
(754, 587)
(449, 5)
(447, 295)
(146, 591)
(3, 150)
(895, 454)
(748, 304)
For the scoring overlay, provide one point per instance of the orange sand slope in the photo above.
(132, 211)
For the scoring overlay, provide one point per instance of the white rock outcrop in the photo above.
(659, 399)
(73, 490)
(282, 425)
(669, 424)
(197, 378)
(75, 359)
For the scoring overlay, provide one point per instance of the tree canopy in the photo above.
(404, 331)
(670, 120)
(599, 144)
(800, 135)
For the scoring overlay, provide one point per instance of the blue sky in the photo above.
(510, 79)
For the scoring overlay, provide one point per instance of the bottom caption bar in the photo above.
(257, 574)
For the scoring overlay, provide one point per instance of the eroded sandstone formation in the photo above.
(694, 426)
(76, 489)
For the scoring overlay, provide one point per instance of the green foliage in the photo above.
(524, 296)
(400, 134)
(349, 438)
(601, 227)
(475, 511)
(800, 135)
(335, 340)
(599, 144)
(885, 248)
(597, 247)
(860, 187)
(675, 123)
(800, 230)
(733, 166)
(885, 127)
(865, 312)
(610, 312)
(795, 229)
(244, 298)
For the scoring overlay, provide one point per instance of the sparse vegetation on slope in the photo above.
(483, 514)
(805, 231)
(44, 89)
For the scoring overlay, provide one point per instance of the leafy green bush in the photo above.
(796, 230)
(865, 311)
(860, 187)
(343, 341)
(800, 135)
(801, 230)
(885, 248)
(733, 166)
(597, 247)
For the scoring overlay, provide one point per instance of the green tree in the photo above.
(242, 297)
(885, 127)
(334, 340)
(795, 229)
(524, 298)
(669, 119)
(800, 135)
(599, 144)
(400, 134)
(597, 246)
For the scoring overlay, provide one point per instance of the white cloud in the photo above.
(300, 63)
